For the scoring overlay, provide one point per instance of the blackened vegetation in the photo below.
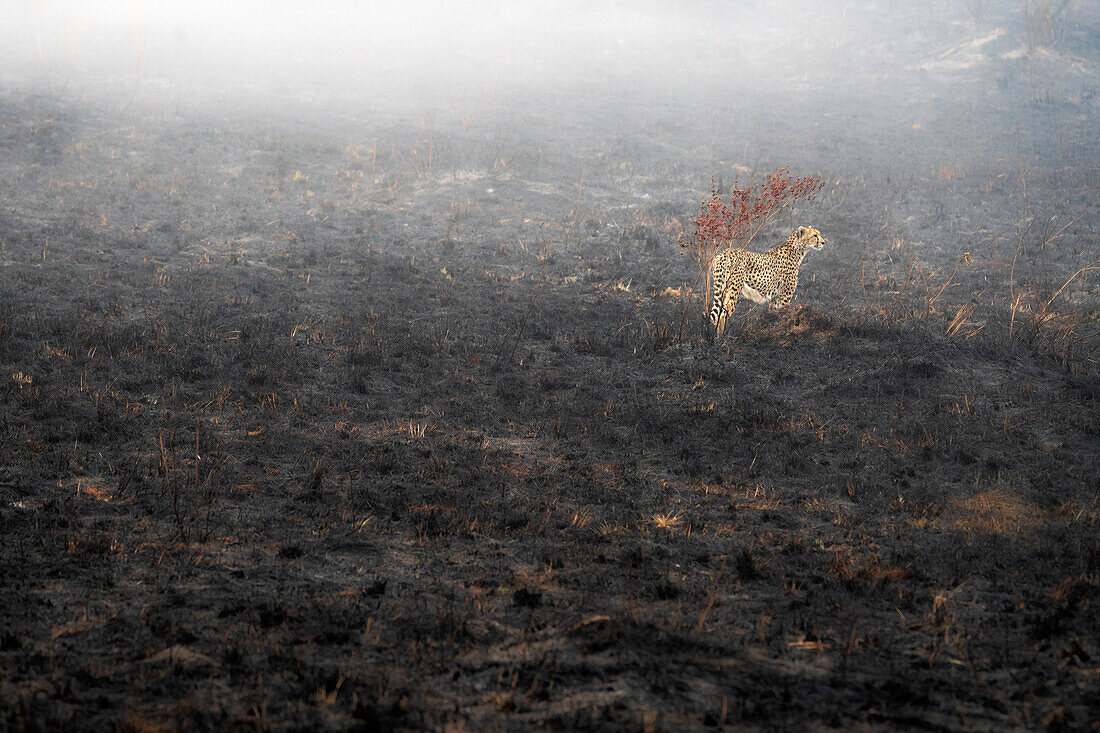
(298, 433)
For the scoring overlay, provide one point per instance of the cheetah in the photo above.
(758, 277)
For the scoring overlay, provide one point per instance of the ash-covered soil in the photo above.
(367, 421)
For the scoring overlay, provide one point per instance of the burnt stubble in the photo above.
(381, 421)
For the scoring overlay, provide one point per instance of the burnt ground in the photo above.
(408, 422)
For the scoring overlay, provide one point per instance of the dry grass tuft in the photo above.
(669, 520)
(848, 565)
(948, 173)
(993, 511)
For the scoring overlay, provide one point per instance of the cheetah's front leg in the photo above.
(785, 294)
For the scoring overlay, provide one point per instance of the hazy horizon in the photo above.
(419, 53)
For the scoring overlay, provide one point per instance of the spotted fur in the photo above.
(768, 277)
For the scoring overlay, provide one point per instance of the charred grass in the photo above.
(300, 433)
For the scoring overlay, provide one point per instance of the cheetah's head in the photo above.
(810, 237)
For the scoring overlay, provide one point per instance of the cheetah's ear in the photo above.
(801, 231)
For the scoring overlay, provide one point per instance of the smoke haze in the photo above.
(701, 65)
(414, 50)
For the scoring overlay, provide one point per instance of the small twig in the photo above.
(523, 323)
(863, 280)
(1087, 268)
(712, 598)
(927, 291)
(1060, 233)
(965, 258)
(1012, 277)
